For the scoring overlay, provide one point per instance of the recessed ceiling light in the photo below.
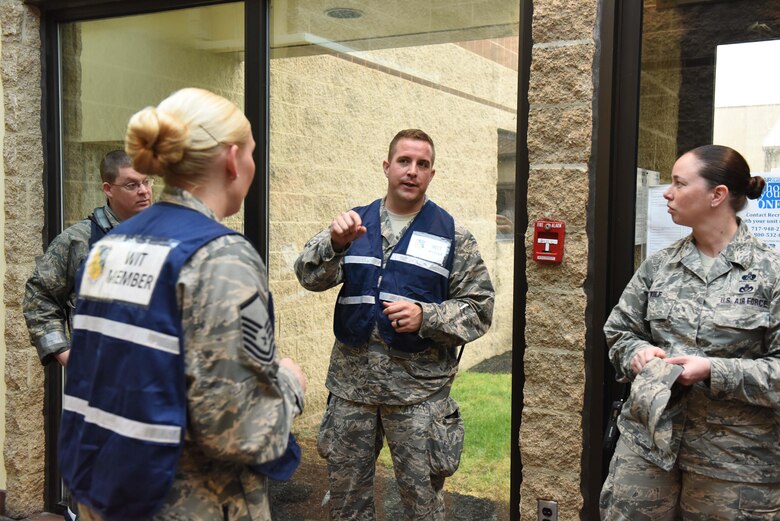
(343, 13)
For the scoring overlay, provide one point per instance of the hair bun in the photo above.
(755, 187)
(155, 140)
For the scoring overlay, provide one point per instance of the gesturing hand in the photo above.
(345, 228)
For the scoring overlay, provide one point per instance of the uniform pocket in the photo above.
(445, 442)
(738, 413)
(658, 309)
(741, 317)
(325, 436)
(759, 502)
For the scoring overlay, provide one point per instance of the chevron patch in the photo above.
(257, 330)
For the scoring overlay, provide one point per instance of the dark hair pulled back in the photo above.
(722, 165)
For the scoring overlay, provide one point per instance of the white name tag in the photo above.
(123, 268)
(429, 247)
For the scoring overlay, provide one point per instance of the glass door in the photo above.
(113, 67)
(343, 81)
(707, 76)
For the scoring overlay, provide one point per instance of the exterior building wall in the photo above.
(23, 163)
(561, 95)
(2, 274)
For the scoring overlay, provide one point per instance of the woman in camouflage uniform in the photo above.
(175, 396)
(697, 331)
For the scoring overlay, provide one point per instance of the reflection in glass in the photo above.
(747, 103)
(342, 84)
(114, 67)
(705, 78)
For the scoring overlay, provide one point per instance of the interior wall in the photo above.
(142, 71)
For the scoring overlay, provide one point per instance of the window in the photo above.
(113, 67)
(707, 77)
(342, 83)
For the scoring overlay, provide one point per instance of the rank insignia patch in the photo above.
(257, 330)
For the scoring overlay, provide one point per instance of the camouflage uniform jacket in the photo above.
(240, 410)
(727, 427)
(371, 373)
(49, 296)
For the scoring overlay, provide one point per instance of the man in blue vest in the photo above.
(415, 289)
(49, 296)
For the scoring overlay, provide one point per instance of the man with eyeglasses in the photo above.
(49, 296)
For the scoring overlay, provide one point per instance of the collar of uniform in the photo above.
(175, 195)
(738, 250)
(387, 228)
(685, 248)
(112, 218)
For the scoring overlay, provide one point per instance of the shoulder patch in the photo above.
(257, 330)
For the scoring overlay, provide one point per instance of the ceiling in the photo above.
(304, 26)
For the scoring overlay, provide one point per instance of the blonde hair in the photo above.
(179, 138)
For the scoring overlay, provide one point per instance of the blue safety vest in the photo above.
(99, 225)
(418, 270)
(125, 401)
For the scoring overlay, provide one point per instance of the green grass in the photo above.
(485, 405)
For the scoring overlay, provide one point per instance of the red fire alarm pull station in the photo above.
(548, 241)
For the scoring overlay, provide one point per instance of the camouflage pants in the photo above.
(204, 499)
(425, 443)
(637, 490)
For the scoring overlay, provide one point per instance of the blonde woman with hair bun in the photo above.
(176, 404)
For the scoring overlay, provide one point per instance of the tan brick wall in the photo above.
(23, 164)
(559, 141)
(331, 122)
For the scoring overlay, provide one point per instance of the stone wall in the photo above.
(559, 144)
(23, 165)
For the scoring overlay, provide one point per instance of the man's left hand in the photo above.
(405, 317)
(695, 368)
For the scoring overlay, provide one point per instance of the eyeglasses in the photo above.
(134, 186)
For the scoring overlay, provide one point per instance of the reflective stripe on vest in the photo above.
(359, 259)
(170, 434)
